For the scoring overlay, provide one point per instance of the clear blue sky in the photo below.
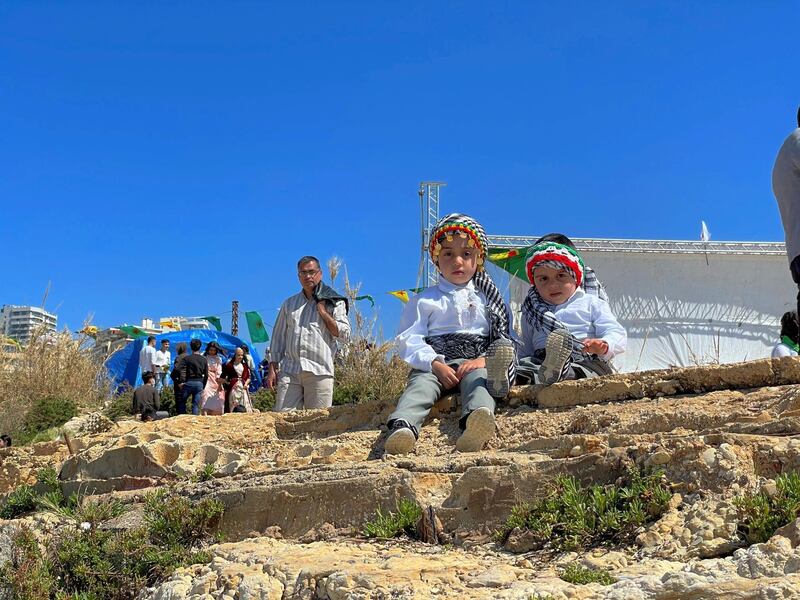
(166, 159)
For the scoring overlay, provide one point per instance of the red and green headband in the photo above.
(552, 252)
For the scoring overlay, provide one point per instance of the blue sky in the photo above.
(166, 159)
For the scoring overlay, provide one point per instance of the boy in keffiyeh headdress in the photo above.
(454, 335)
(567, 333)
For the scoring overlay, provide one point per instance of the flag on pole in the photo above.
(704, 233)
(217, 324)
(258, 333)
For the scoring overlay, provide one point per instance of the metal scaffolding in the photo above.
(649, 246)
(429, 215)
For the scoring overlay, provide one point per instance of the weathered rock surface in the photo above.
(298, 487)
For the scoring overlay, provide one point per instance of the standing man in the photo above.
(304, 341)
(786, 187)
(147, 355)
(161, 364)
(193, 377)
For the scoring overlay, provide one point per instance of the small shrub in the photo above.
(204, 474)
(403, 521)
(20, 501)
(29, 574)
(579, 575)
(571, 516)
(46, 414)
(121, 405)
(103, 564)
(760, 514)
(263, 399)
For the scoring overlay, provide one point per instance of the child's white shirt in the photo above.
(437, 310)
(585, 316)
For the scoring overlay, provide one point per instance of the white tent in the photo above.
(687, 303)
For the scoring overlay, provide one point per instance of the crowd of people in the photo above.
(214, 383)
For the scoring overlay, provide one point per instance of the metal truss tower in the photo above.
(429, 215)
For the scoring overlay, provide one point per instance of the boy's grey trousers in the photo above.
(424, 389)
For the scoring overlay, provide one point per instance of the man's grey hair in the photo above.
(308, 259)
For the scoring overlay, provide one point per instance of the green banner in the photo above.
(367, 297)
(258, 333)
(512, 261)
(133, 331)
(214, 321)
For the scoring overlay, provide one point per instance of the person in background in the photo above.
(5, 441)
(147, 355)
(175, 375)
(304, 342)
(236, 378)
(161, 363)
(790, 329)
(193, 376)
(249, 360)
(212, 402)
(786, 187)
(145, 398)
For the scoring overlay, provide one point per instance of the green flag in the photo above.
(133, 331)
(512, 261)
(214, 321)
(258, 333)
(367, 297)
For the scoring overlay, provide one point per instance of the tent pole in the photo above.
(235, 317)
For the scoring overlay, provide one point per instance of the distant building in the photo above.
(20, 322)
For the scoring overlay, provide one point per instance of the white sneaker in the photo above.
(479, 430)
(558, 351)
(401, 441)
(499, 357)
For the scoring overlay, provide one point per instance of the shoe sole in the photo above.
(401, 441)
(559, 349)
(480, 429)
(498, 359)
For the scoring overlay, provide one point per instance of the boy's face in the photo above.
(458, 261)
(554, 285)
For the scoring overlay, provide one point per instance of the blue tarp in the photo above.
(123, 365)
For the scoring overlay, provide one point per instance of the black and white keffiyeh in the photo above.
(538, 315)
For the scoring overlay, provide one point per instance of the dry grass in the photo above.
(367, 368)
(51, 366)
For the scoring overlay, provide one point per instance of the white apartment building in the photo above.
(19, 322)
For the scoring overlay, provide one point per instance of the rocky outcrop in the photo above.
(298, 487)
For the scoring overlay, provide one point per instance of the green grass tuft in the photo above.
(571, 517)
(760, 514)
(579, 575)
(402, 521)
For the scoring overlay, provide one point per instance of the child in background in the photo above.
(454, 335)
(566, 333)
(789, 332)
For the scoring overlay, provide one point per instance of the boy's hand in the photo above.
(446, 375)
(594, 346)
(470, 365)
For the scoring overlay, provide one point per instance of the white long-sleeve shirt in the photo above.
(786, 187)
(300, 340)
(585, 316)
(437, 310)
